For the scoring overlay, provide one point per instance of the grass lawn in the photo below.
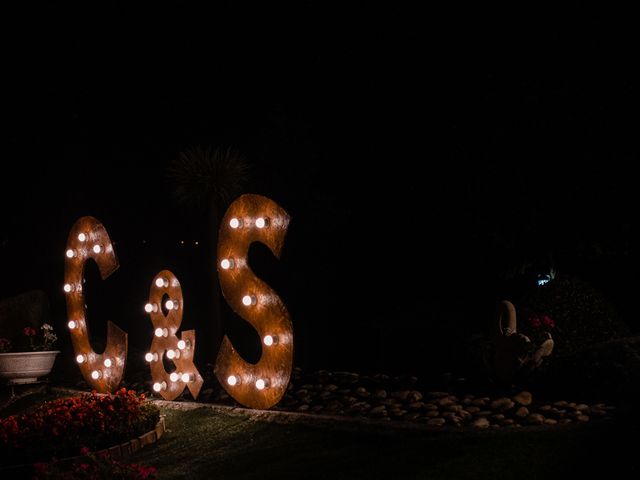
(204, 444)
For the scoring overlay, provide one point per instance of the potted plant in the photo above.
(26, 366)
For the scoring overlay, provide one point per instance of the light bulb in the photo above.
(81, 358)
(161, 332)
(83, 237)
(249, 300)
(235, 223)
(162, 282)
(96, 374)
(261, 222)
(227, 263)
(172, 304)
(151, 357)
(171, 354)
(233, 380)
(159, 386)
(182, 344)
(270, 340)
(187, 377)
(107, 362)
(150, 307)
(261, 384)
(174, 377)
(68, 288)
(71, 253)
(72, 324)
(97, 248)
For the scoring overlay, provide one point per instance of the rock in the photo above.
(565, 421)
(481, 423)
(436, 422)
(414, 396)
(430, 406)
(561, 404)
(380, 394)
(508, 422)
(416, 406)
(535, 419)
(473, 409)
(303, 408)
(317, 408)
(550, 421)
(498, 417)
(331, 387)
(454, 408)
(582, 407)
(432, 413)
(522, 412)
(398, 413)
(350, 400)
(523, 398)
(446, 401)
(465, 415)
(466, 401)
(596, 412)
(401, 395)
(362, 392)
(582, 418)
(325, 395)
(379, 411)
(303, 392)
(483, 413)
(545, 408)
(480, 402)
(572, 404)
(411, 416)
(502, 404)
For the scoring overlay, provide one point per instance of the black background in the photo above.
(421, 154)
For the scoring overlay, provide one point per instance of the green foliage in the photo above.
(581, 314)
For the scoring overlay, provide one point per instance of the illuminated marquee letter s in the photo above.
(89, 239)
(253, 218)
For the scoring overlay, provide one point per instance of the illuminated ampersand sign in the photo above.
(253, 218)
(88, 239)
(165, 342)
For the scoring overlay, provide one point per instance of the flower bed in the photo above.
(62, 427)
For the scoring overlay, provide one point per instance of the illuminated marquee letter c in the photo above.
(88, 239)
(253, 218)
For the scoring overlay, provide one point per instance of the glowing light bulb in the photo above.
(83, 237)
(107, 362)
(261, 384)
(97, 248)
(96, 374)
(233, 380)
(235, 222)
(68, 288)
(187, 377)
(162, 282)
(171, 354)
(269, 340)
(172, 304)
(161, 332)
(261, 222)
(81, 358)
(159, 386)
(150, 307)
(182, 344)
(174, 377)
(72, 324)
(249, 300)
(151, 357)
(227, 263)
(71, 253)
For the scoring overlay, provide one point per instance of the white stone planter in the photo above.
(25, 367)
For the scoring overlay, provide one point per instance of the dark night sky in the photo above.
(420, 153)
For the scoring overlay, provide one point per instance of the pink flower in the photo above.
(29, 332)
(548, 321)
(84, 451)
(534, 321)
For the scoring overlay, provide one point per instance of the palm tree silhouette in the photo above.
(209, 178)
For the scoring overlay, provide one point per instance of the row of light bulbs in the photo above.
(174, 377)
(260, 383)
(260, 222)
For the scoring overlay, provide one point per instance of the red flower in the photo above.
(548, 321)
(29, 332)
(535, 321)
